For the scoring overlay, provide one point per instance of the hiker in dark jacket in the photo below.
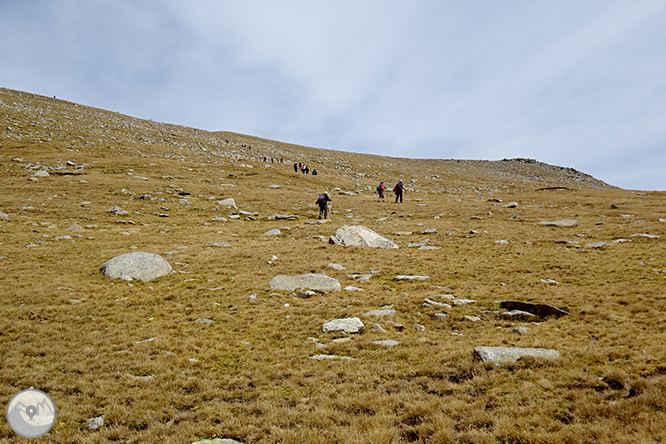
(323, 201)
(399, 188)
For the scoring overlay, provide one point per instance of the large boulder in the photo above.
(139, 265)
(311, 281)
(358, 235)
(503, 355)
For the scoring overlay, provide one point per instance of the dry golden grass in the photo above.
(248, 375)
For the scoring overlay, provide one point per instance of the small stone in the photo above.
(329, 357)
(441, 316)
(462, 301)
(560, 223)
(204, 321)
(520, 330)
(386, 343)
(95, 423)
(41, 173)
(471, 318)
(429, 231)
(348, 325)
(431, 303)
(273, 232)
(75, 228)
(377, 328)
(517, 315)
(336, 266)
(252, 297)
(4, 216)
(218, 244)
(595, 244)
(411, 278)
(418, 327)
(380, 313)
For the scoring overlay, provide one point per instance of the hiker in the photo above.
(295, 167)
(323, 201)
(380, 191)
(314, 172)
(307, 169)
(398, 190)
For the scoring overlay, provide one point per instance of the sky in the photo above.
(573, 83)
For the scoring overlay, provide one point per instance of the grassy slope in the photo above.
(252, 378)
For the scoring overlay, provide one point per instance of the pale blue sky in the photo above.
(573, 83)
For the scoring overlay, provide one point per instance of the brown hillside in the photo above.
(190, 355)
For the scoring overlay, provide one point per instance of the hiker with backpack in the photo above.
(398, 190)
(323, 201)
(380, 191)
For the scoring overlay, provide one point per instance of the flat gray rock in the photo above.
(517, 315)
(336, 266)
(379, 313)
(560, 223)
(139, 265)
(218, 244)
(348, 325)
(503, 355)
(329, 357)
(273, 232)
(386, 343)
(75, 228)
(4, 216)
(352, 288)
(411, 278)
(540, 310)
(229, 203)
(360, 236)
(218, 441)
(311, 281)
(595, 244)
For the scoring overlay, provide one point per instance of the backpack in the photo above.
(321, 200)
(379, 188)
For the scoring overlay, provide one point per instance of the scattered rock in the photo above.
(229, 203)
(351, 288)
(328, 357)
(429, 231)
(336, 266)
(520, 330)
(411, 278)
(595, 244)
(361, 236)
(74, 228)
(4, 216)
(218, 441)
(139, 265)
(560, 223)
(377, 328)
(503, 355)
(510, 205)
(95, 423)
(41, 173)
(418, 327)
(462, 301)
(517, 315)
(379, 313)
(649, 236)
(441, 316)
(540, 310)
(431, 303)
(117, 211)
(398, 327)
(386, 343)
(273, 232)
(471, 318)
(204, 321)
(312, 281)
(218, 244)
(348, 325)
(403, 233)
(219, 219)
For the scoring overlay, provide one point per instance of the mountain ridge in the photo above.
(33, 117)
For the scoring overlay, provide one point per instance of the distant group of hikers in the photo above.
(398, 189)
(324, 200)
(303, 168)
